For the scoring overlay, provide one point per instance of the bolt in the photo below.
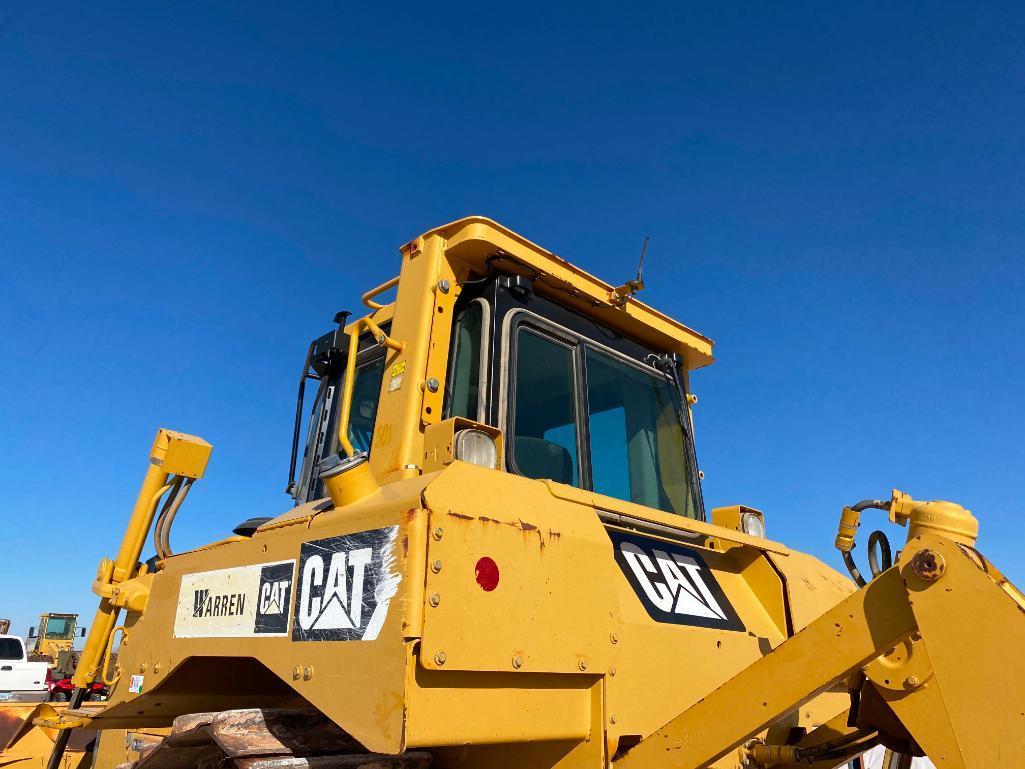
(582, 664)
(614, 637)
(612, 718)
(436, 566)
(444, 286)
(433, 385)
(439, 658)
(928, 565)
(612, 670)
(435, 599)
(517, 662)
(156, 667)
(297, 673)
(438, 532)
(142, 668)
(307, 673)
(912, 681)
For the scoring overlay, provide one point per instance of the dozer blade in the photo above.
(24, 745)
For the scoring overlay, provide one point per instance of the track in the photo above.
(264, 739)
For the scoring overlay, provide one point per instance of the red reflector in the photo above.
(487, 574)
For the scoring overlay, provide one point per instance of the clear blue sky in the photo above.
(188, 193)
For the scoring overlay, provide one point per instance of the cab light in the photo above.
(476, 447)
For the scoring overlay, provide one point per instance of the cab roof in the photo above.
(482, 243)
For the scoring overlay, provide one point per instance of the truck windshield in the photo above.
(10, 649)
(59, 628)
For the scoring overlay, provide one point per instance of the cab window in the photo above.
(59, 628)
(464, 381)
(599, 420)
(366, 392)
(637, 448)
(545, 423)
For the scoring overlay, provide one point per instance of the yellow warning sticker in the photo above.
(399, 368)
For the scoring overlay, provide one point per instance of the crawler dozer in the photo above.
(499, 556)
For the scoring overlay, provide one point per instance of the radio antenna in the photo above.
(622, 294)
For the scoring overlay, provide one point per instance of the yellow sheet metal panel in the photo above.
(176, 662)
(461, 708)
(516, 580)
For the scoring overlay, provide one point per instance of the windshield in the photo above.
(599, 420)
(59, 628)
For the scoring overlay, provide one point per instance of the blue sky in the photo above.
(188, 193)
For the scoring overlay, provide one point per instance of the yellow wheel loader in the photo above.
(499, 556)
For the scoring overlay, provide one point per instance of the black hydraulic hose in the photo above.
(880, 556)
(852, 567)
(60, 742)
(848, 559)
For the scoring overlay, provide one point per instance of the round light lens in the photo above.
(753, 524)
(477, 448)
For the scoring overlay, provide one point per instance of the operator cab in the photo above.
(578, 403)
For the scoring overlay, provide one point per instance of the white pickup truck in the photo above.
(20, 680)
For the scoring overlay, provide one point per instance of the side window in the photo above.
(465, 379)
(544, 416)
(366, 392)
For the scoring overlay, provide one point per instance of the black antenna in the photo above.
(622, 294)
(640, 263)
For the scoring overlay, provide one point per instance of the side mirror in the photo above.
(81, 632)
(31, 632)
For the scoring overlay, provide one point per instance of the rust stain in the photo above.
(527, 526)
(460, 515)
(485, 519)
(404, 542)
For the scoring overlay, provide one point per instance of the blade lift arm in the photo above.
(176, 460)
(928, 650)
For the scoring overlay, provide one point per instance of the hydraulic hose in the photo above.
(163, 528)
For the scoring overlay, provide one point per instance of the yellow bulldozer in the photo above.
(499, 556)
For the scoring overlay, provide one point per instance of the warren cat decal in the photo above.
(674, 583)
(344, 586)
(243, 601)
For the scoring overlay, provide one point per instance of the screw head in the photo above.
(435, 599)
(433, 385)
(444, 286)
(612, 670)
(517, 662)
(614, 637)
(612, 718)
(912, 681)
(438, 532)
(582, 664)
(307, 673)
(436, 566)
(297, 672)
(439, 658)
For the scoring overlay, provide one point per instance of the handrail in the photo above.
(350, 371)
(369, 295)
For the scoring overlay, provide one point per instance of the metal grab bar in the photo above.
(369, 295)
(350, 368)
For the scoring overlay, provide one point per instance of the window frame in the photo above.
(579, 342)
(562, 337)
(483, 379)
(367, 353)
